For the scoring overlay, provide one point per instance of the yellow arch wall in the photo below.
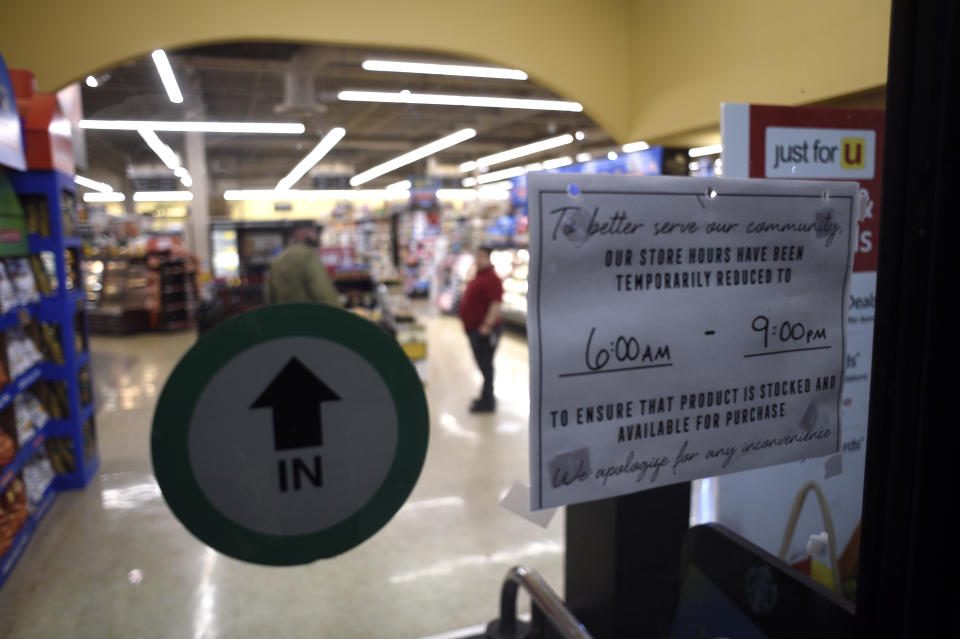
(641, 68)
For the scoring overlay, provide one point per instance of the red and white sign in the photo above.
(811, 143)
(821, 144)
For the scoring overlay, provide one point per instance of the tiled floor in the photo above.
(111, 561)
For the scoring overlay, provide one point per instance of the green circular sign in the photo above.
(289, 434)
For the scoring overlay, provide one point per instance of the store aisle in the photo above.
(111, 561)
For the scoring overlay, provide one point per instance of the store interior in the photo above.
(169, 230)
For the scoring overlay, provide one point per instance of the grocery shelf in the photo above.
(63, 307)
(28, 450)
(22, 539)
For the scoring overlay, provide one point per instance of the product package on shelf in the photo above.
(24, 284)
(60, 452)
(47, 337)
(70, 258)
(40, 275)
(13, 514)
(53, 396)
(38, 217)
(22, 353)
(8, 296)
(68, 212)
(85, 385)
(8, 449)
(38, 474)
(49, 263)
(30, 415)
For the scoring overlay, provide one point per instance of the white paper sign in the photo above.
(682, 328)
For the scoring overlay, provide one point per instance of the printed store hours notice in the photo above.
(682, 328)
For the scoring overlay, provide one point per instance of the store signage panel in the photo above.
(290, 433)
(11, 137)
(682, 328)
(803, 152)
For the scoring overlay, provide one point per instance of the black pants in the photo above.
(484, 347)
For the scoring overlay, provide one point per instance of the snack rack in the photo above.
(70, 441)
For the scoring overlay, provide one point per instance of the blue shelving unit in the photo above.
(62, 308)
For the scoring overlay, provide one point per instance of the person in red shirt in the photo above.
(480, 313)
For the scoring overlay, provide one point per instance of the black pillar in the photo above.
(907, 585)
(622, 561)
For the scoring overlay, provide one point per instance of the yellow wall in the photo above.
(689, 56)
(644, 69)
(574, 47)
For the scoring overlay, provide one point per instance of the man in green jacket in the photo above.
(297, 275)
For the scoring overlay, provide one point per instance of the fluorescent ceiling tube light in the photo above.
(92, 82)
(162, 196)
(412, 156)
(404, 185)
(104, 197)
(186, 180)
(329, 141)
(519, 152)
(503, 174)
(556, 163)
(203, 127)
(468, 182)
(580, 135)
(584, 157)
(710, 149)
(406, 97)
(166, 76)
(92, 184)
(630, 147)
(444, 69)
(612, 155)
(272, 195)
(164, 152)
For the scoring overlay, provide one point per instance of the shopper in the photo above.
(480, 313)
(298, 275)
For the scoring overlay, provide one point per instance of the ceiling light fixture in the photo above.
(412, 156)
(294, 128)
(102, 187)
(444, 69)
(166, 76)
(710, 149)
(404, 185)
(164, 152)
(185, 178)
(329, 141)
(406, 97)
(468, 182)
(612, 155)
(104, 197)
(92, 82)
(580, 135)
(519, 152)
(556, 163)
(503, 174)
(271, 195)
(162, 196)
(584, 157)
(630, 147)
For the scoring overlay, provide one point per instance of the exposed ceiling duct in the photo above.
(299, 84)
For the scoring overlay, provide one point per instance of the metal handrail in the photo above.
(543, 597)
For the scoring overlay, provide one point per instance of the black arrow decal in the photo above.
(296, 396)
